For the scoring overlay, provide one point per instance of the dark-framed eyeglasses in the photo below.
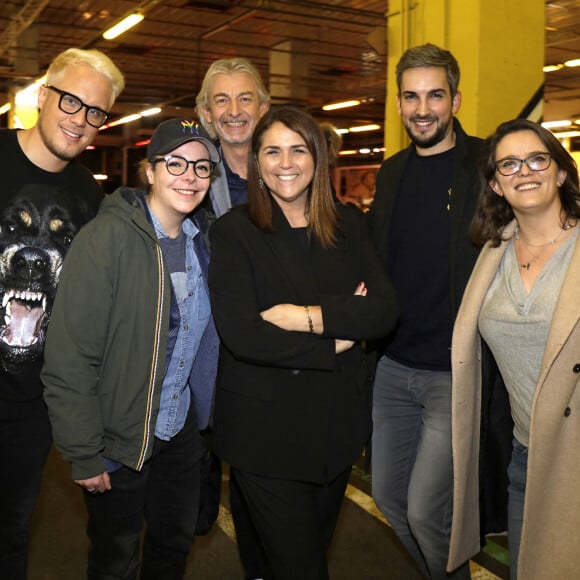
(177, 165)
(512, 165)
(70, 104)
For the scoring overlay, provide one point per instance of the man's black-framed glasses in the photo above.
(177, 165)
(512, 165)
(70, 104)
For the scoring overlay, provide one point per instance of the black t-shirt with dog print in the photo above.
(40, 212)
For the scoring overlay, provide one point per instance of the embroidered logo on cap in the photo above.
(191, 125)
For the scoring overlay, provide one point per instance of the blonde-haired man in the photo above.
(46, 197)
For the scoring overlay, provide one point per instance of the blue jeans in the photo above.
(412, 467)
(517, 474)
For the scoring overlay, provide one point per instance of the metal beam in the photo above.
(24, 18)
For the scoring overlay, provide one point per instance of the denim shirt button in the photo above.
(567, 412)
(295, 372)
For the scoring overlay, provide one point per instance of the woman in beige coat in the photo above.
(523, 301)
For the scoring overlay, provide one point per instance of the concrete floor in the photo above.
(364, 547)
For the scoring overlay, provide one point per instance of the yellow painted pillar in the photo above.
(24, 103)
(499, 45)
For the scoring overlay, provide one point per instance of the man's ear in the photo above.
(41, 96)
(207, 115)
(456, 102)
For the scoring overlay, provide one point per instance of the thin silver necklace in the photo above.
(552, 242)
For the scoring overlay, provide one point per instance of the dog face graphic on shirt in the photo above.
(36, 229)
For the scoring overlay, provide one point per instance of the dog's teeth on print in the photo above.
(44, 302)
(5, 299)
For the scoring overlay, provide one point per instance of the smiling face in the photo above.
(234, 107)
(286, 166)
(527, 191)
(173, 197)
(427, 108)
(66, 136)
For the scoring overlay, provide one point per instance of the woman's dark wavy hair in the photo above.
(493, 212)
(322, 213)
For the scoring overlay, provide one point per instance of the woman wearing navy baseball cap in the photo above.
(131, 357)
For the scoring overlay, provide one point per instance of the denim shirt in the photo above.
(194, 310)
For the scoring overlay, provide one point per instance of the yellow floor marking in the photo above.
(366, 503)
(225, 522)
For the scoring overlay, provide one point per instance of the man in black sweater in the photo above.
(420, 217)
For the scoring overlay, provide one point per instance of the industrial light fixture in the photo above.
(122, 26)
(556, 124)
(567, 134)
(342, 105)
(572, 63)
(552, 67)
(361, 128)
(121, 121)
(149, 112)
(130, 118)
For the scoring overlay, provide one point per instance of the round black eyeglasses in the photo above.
(177, 165)
(512, 165)
(70, 104)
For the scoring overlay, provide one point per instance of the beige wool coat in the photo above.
(550, 543)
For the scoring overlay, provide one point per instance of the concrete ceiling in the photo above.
(324, 50)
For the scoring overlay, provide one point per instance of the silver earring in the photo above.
(261, 183)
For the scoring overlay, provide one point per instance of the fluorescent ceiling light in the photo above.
(121, 121)
(5, 108)
(100, 176)
(552, 67)
(361, 128)
(130, 118)
(573, 62)
(342, 131)
(348, 152)
(343, 105)
(554, 124)
(123, 26)
(567, 134)
(152, 111)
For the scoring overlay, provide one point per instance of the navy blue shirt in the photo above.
(237, 185)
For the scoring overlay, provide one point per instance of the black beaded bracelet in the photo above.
(309, 316)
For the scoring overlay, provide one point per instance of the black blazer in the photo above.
(465, 187)
(286, 405)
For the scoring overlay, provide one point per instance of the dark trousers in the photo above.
(25, 440)
(250, 548)
(295, 521)
(166, 494)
